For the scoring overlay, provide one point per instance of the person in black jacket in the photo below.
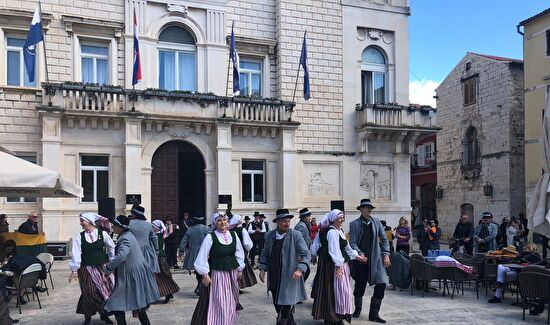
(464, 235)
(422, 238)
(30, 227)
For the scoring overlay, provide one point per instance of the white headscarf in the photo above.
(329, 218)
(215, 218)
(235, 221)
(160, 226)
(90, 217)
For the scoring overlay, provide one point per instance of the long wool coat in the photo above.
(194, 237)
(302, 228)
(135, 284)
(294, 249)
(148, 242)
(380, 247)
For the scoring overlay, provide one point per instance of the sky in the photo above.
(442, 31)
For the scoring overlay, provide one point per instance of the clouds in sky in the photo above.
(422, 92)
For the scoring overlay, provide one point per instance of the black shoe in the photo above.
(176, 267)
(358, 306)
(374, 310)
(167, 298)
(40, 289)
(495, 300)
(106, 319)
(241, 292)
(239, 307)
(537, 310)
(87, 320)
(14, 321)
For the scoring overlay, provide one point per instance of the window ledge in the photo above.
(21, 89)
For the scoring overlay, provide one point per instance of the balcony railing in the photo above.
(92, 98)
(394, 115)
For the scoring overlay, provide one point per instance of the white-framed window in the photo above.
(30, 158)
(16, 72)
(428, 152)
(177, 57)
(253, 181)
(94, 60)
(94, 177)
(374, 76)
(250, 72)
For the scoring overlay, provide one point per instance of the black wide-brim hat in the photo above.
(304, 213)
(365, 203)
(282, 214)
(121, 221)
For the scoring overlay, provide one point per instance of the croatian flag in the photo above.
(34, 37)
(234, 57)
(136, 76)
(303, 63)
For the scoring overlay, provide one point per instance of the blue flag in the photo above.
(34, 37)
(234, 57)
(303, 63)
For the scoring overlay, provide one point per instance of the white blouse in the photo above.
(90, 237)
(247, 242)
(333, 239)
(201, 262)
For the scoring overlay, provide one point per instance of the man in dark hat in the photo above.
(246, 222)
(303, 227)
(368, 238)
(285, 257)
(256, 230)
(485, 234)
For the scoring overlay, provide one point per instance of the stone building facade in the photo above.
(178, 141)
(480, 148)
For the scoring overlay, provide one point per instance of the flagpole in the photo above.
(45, 56)
(228, 72)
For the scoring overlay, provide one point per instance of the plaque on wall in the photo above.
(224, 198)
(321, 180)
(377, 181)
(133, 198)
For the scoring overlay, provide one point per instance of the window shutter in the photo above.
(548, 42)
(420, 154)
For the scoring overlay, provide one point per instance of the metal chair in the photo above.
(28, 279)
(422, 271)
(534, 285)
(47, 259)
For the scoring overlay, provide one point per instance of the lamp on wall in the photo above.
(439, 192)
(488, 189)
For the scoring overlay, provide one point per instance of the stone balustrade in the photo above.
(392, 115)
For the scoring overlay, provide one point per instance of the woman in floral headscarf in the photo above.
(332, 291)
(91, 250)
(166, 284)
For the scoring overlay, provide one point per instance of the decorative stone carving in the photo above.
(375, 35)
(180, 9)
(377, 181)
(178, 133)
(321, 180)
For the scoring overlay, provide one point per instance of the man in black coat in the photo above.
(30, 227)
(464, 234)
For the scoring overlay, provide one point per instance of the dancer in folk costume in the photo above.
(220, 262)
(91, 250)
(135, 287)
(285, 259)
(332, 294)
(249, 278)
(167, 285)
(193, 238)
(147, 240)
(303, 227)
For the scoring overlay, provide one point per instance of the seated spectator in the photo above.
(30, 227)
(464, 235)
(505, 274)
(434, 233)
(4, 225)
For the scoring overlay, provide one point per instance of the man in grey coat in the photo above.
(285, 258)
(303, 227)
(193, 237)
(148, 241)
(368, 238)
(485, 234)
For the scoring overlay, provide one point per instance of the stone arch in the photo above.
(154, 29)
(193, 139)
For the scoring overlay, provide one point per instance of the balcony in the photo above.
(104, 101)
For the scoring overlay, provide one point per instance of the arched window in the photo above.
(374, 72)
(177, 53)
(471, 149)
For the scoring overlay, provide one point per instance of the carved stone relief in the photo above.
(377, 181)
(321, 180)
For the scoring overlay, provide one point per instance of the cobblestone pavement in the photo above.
(398, 307)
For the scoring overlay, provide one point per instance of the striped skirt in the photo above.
(248, 278)
(92, 297)
(166, 284)
(217, 304)
(328, 291)
(343, 294)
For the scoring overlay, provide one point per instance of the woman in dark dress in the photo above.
(166, 284)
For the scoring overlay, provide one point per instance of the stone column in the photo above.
(52, 159)
(288, 169)
(133, 160)
(210, 191)
(223, 161)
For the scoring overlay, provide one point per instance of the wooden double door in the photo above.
(177, 181)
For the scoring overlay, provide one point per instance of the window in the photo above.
(548, 42)
(253, 181)
(16, 70)
(177, 59)
(471, 150)
(373, 76)
(94, 177)
(30, 158)
(95, 64)
(469, 89)
(428, 152)
(250, 77)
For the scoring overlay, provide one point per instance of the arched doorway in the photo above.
(177, 181)
(427, 199)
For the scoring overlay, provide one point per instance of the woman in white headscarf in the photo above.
(220, 262)
(332, 292)
(91, 250)
(166, 284)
